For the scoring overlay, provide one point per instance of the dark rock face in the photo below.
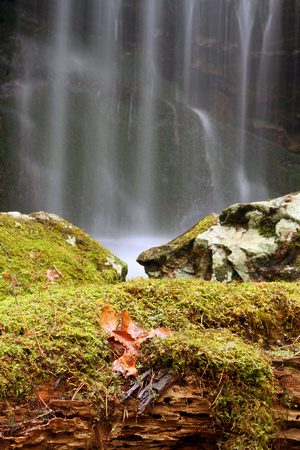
(251, 242)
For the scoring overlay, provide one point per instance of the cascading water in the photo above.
(211, 137)
(267, 75)
(106, 91)
(188, 12)
(245, 16)
(268, 70)
(100, 72)
(58, 107)
(146, 139)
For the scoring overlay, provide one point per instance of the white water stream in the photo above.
(245, 16)
(104, 134)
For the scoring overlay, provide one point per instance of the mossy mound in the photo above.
(222, 336)
(32, 245)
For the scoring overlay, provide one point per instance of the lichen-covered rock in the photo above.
(175, 259)
(257, 241)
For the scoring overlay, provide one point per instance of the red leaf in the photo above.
(126, 365)
(109, 319)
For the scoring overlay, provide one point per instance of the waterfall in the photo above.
(145, 166)
(267, 75)
(189, 9)
(245, 16)
(140, 117)
(211, 150)
(268, 72)
(101, 72)
(58, 112)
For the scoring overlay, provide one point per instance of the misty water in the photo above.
(133, 119)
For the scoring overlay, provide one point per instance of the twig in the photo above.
(38, 255)
(60, 274)
(22, 317)
(77, 390)
(99, 437)
(204, 372)
(28, 331)
(295, 340)
(125, 414)
(217, 396)
(41, 400)
(106, 404)
(5, 249)
(45, 285)
(33, 278)
(221, 376)
(253, 361)
(39, 347)
(46, 414)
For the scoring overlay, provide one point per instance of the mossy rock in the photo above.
(33, 244)
(176, 256)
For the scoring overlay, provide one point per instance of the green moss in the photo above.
(31, 247)
(239, 377)
(220, 332)
(187, 239)
(267, 227)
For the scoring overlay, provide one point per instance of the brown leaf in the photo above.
(51, 275)
(162, 332)
(118, 348)
(126, 365)
(126, 340)
(131, 328)
(109, 319)
(6, 275)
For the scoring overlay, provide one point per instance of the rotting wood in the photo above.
(181, 416)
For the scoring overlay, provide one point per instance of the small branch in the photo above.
(42, 401)
(28, 331)
(4, 249)
(221, 376)
(39, 347)
(38, 255)
(99, 437)
(22, 317)
(58, 271)
(217, 396)
(204, 372)
(253, 361)
(77, 390)
(106, 404)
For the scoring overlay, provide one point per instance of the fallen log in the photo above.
(159, 411)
